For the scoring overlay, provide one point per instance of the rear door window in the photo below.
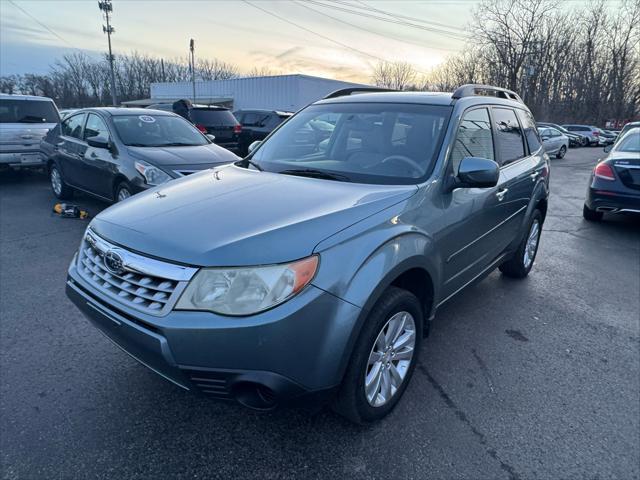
(509, 136)
(212, 117)
(28, 111)
(530, 130)
(95, 127)
(72, 126)
(474, 137)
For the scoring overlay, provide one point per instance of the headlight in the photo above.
(152, 175)
(246, 290)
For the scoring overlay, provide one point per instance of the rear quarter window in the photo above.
(530, 130)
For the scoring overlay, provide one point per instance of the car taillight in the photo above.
(202, 128)
(596, 134)
(604, 171)
(237, 129)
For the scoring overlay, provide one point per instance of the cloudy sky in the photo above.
(339, 38)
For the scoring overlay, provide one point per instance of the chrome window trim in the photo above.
(132, 262)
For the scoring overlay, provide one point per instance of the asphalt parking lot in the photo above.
(519, 379)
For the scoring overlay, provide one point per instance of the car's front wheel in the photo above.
(383, 359)
(561, 153)
(123, 191)
(58, 185)
(520, 264)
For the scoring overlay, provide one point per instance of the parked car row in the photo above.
(233, 131)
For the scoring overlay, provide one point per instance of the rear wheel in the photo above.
(520, 265)
(591, 215)
(561, 153)
(58, 185)
(383, 359)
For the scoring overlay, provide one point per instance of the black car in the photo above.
(257, 124)
(575, 139)
(615, 182)
(209, 119)
(113, 153)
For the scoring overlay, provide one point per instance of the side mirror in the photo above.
(211, 137)
(545, 137)
(254, 145)
(608, 148)
(98, 142)
(476, 172)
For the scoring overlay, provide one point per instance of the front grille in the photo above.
(144, 284)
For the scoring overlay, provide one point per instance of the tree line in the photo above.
(78, 80)
(577, 65)
(570, 65)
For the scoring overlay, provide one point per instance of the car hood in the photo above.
(234, 217)
(210, 154)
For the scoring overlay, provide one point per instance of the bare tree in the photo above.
(394, 75)
(215, 69)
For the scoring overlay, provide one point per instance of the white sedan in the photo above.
(554, 141)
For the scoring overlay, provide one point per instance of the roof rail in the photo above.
(345, 92)
(471, 90)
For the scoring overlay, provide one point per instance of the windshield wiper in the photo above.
(176, 144)
(312, 173)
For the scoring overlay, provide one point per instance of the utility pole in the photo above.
(193, 67)
(107, 9)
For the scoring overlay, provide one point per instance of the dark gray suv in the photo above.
(308, 272)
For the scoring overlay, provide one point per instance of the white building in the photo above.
(280, 92)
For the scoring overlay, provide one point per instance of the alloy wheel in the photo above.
(56, 181)
(531, 247)
(123, 194)
(390, 359)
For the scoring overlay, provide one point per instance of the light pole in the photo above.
(193, 68)
(107, 8)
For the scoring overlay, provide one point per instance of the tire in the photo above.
(122, 192)
(585, 141)
(353, 400)
(521, 263)
(591, 215)
(561, 153)
(58, 186)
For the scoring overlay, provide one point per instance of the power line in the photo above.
(398, 16)
(344, 45)
(42, 24)
(456, 36)
(421, 44)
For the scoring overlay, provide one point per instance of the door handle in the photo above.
(501, 193)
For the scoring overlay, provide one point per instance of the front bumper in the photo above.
(26, 159)
(294, 354)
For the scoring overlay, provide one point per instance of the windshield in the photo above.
(28, 111)
(630, 142)
(157, 131)
(366, 143)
